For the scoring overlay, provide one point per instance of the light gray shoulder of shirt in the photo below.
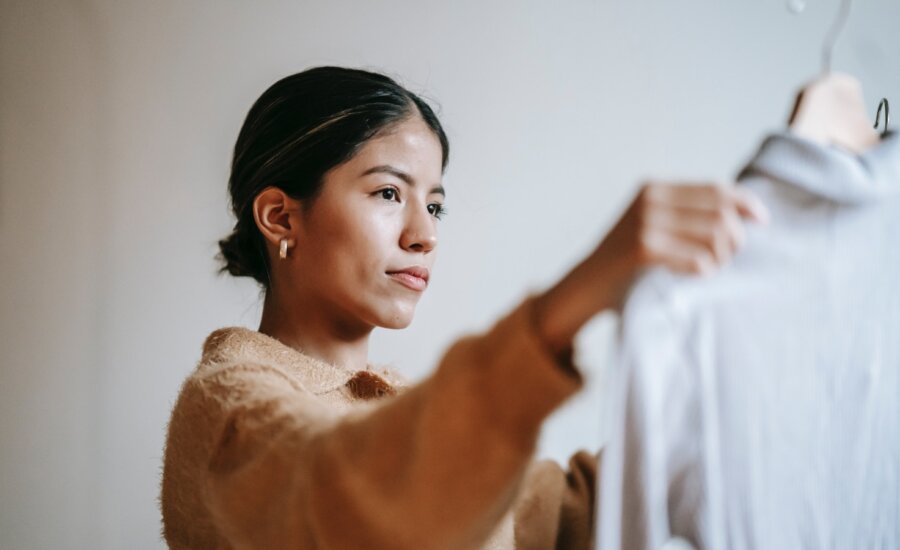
(672, 301)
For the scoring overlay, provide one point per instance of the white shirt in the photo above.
(758, 408)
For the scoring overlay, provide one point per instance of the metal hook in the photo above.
(833, 33)
(887, 115)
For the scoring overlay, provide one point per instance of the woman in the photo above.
(285, 437)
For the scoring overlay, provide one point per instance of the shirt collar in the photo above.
(231, 345)
(829, 171)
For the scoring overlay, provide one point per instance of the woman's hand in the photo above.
(692, 229)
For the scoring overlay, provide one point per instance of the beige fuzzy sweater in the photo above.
(270, 448)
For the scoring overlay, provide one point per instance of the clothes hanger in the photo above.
(887, 115)
(830, 110)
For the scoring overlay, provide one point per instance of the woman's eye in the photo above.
(389, 194)
(437, 210)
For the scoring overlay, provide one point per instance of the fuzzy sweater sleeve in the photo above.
(557, 505)
(435, 467)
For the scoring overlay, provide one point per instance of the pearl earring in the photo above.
(282, 252)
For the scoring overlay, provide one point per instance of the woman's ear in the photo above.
(277, 216)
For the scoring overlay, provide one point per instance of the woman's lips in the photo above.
(408, 280)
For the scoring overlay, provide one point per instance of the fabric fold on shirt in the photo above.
(829, 171)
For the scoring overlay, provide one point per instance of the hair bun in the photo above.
(238, 259)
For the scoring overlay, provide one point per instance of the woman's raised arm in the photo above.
(688, 228)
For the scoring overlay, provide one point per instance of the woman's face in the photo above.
(367, 245)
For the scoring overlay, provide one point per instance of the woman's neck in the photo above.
(315, 329)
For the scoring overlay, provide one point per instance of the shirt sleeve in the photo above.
(436, 466)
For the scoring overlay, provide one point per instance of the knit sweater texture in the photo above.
(270, 448)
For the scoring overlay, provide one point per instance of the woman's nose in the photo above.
(419, 233)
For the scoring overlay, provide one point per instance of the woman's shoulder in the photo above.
(249, 356)
(235, 370)
(244, 372)
(235, 344)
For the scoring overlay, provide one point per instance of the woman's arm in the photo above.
(690, 229)
(437, 466)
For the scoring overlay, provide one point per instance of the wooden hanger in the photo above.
(830, 110)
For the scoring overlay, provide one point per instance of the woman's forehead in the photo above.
(408, 148)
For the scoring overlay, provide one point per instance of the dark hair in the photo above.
(298, 129)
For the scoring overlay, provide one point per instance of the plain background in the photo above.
(117, 121)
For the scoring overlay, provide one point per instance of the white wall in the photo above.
(116, 125)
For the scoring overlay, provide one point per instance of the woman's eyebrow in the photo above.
(409, 180)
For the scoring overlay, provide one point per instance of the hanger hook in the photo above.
(833, 33)
(887, 115)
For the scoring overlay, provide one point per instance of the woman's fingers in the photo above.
(679, 255)
(750, 207)
(700, 226)
(708, 196)
(720, 232)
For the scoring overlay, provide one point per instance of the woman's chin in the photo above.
(398, 322)
(399, 317)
